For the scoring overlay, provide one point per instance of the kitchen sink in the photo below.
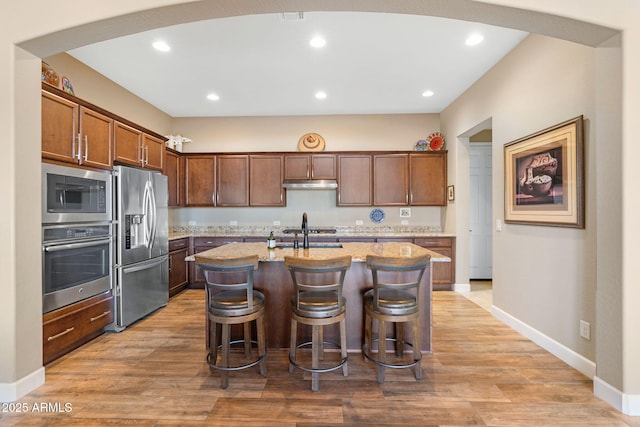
(311, 245)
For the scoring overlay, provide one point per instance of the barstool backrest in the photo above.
(236, 272)
(389, 280)
(318, 277)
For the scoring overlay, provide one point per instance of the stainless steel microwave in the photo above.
(72, 195)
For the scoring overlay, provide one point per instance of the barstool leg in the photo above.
(382, 348)
(316, 348)
(262, 345)
(367, 334)
(224, 381)
(247, 339)
(416, 348)
(343, 345)
(399, 338)
(213, 341)
(293, 343)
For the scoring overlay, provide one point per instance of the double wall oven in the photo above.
(77, 235)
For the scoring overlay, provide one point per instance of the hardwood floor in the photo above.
(154, 374)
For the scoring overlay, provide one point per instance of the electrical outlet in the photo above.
(358, 222)
(233, 222)
(276, 222)
(585, 330)
(192, 223)
(404, 222)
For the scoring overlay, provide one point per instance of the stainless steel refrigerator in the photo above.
(142, 244)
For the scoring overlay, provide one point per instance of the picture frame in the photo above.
(544, 177)
(451, 193)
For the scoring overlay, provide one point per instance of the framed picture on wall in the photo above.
(544, 177)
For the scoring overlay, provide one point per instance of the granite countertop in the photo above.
(420, 232)
(358, 251)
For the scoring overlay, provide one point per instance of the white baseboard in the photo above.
(10, 392)
(570, 357)
(462, 287)
(628, 404)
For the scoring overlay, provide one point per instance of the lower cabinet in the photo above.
(178, 269)
(69, 327)
(201, 244)
(443, 274)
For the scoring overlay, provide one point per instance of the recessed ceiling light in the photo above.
(161, 46)
(474, 39)
(427, 93)
(317, 42)
(320, 95)
(213, 97)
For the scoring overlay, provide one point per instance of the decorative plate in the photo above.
(377, 215)
(422, 145)
(311, 142)
(436, 141)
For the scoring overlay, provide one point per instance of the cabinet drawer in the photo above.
(64, 332)
(176, 244)
(429, 242)
(214, 241)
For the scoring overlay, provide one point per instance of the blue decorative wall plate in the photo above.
(377, 215)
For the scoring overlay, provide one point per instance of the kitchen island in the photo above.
(274, 280)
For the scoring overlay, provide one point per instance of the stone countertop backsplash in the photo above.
(178, 232)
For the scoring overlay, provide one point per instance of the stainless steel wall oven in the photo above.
(76, 263)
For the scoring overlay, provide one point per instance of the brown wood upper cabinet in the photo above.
(74, 134)
(309, 166)
(354, 180)
(173, 170)
(232, 179)
(390, 179)
(136, 148)
(216, 180)
(428, 179)
(265, 180)
(199, 180)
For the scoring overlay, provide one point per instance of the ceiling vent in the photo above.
(292, 16)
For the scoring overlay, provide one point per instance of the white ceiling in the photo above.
(259, 65)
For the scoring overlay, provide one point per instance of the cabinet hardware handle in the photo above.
(146, 155)
(60, 334)
(100, 316)
(141, 153)
(213, 198)
(86, 148)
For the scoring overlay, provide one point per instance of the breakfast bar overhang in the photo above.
(274, 280)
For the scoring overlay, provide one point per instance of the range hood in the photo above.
(307, 184)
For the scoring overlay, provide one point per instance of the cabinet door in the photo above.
(354, 180)
(153, 150)
(428, 179)
(59, 129)
(297, 166)
(173, 170)
(390, 179)
(200, 180)
(178, 271)
(443, 273)
(265, 180)
(127, 145)
(323, 166)
(96, 139)
(233, 180)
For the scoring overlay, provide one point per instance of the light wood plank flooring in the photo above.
(153, 374)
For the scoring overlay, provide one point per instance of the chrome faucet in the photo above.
(305, 231)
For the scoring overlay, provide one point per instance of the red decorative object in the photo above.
(436, 141)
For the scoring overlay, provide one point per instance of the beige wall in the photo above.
(536, 269)
(20, 333)
(99, 90)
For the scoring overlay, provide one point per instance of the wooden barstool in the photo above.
(231, 300)
(394, 299)
(318, 301)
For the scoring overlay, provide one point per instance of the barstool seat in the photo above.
(394, 299)
(318, 302)
(231, 300)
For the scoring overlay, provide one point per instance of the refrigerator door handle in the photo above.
(153, 216)
(147, 216)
